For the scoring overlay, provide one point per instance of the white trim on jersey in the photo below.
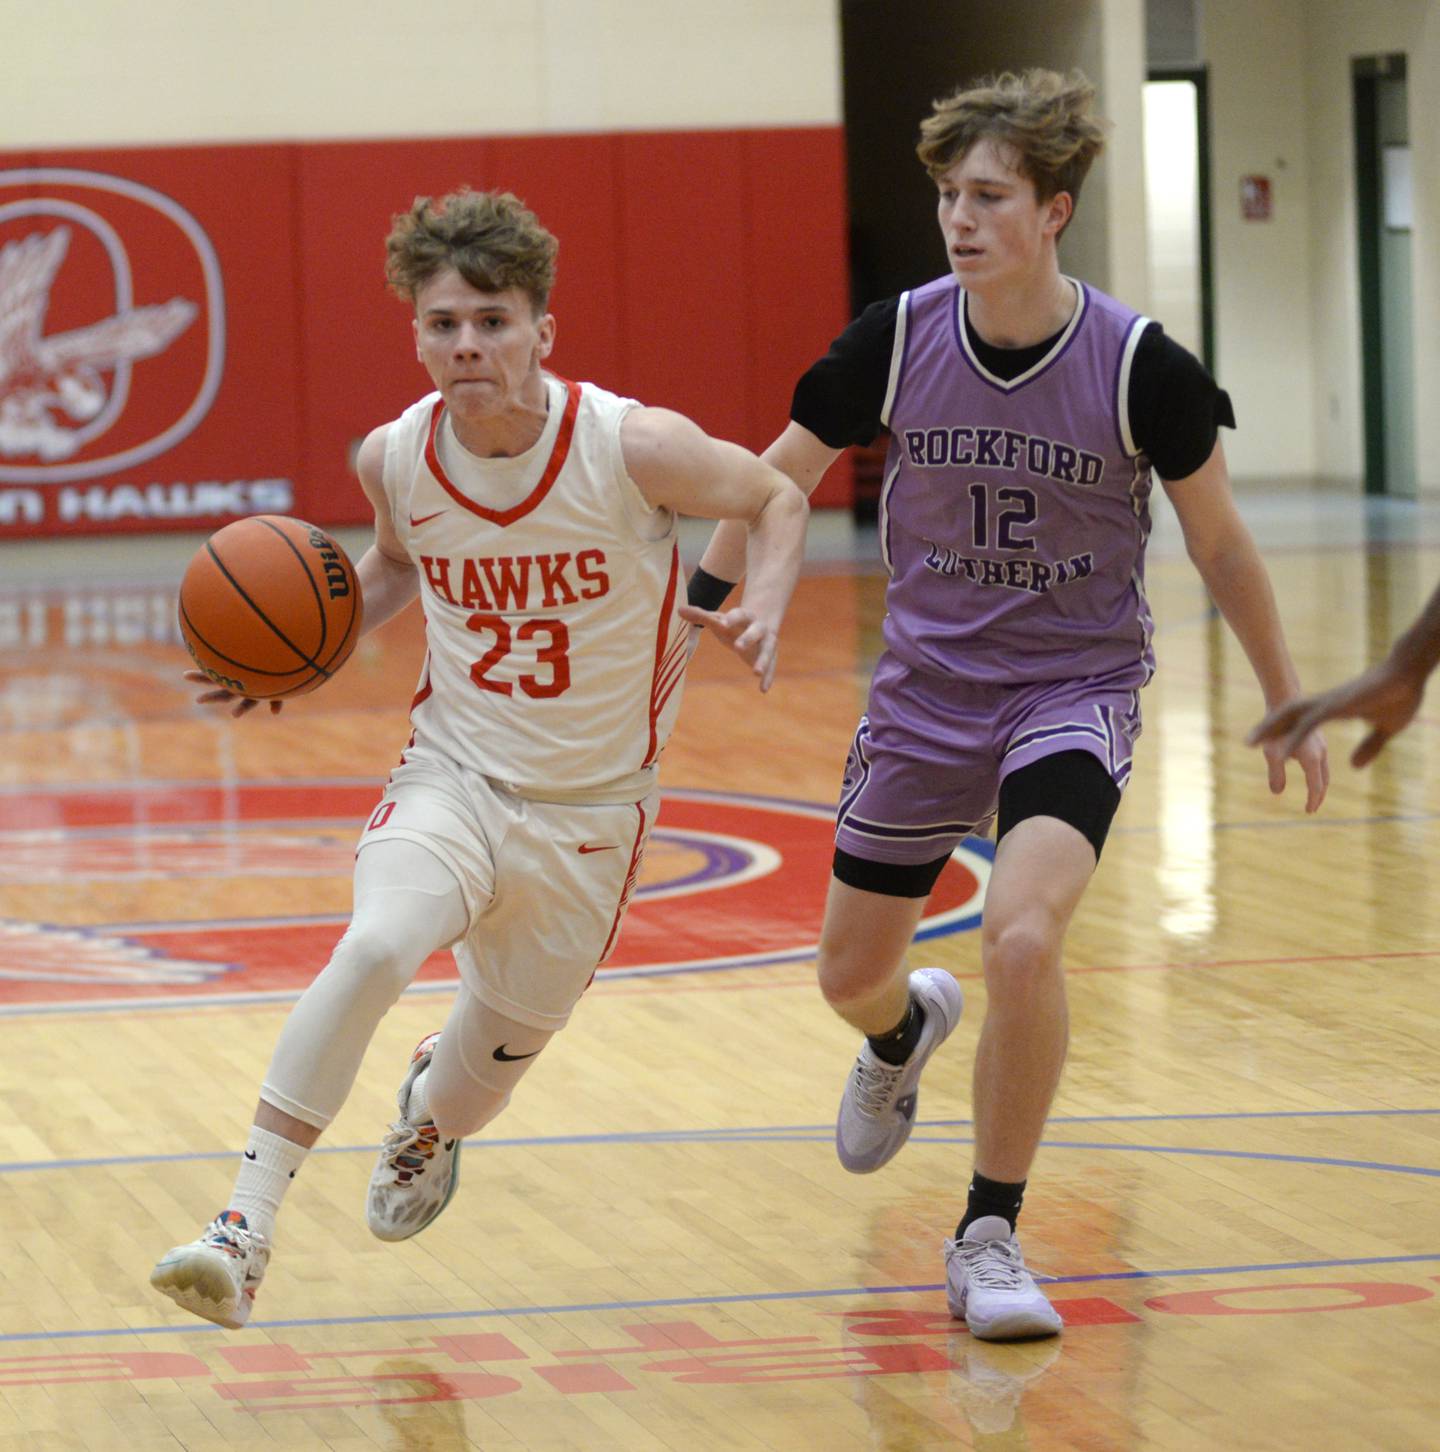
(1146, 617)
(555, 652)
(1009, 385)
(885, 489)
(1122, 387)
(897, 357)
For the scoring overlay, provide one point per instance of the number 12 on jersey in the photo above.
(1023, 512)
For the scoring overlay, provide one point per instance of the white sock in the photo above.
(417, 1107)
(266, 1172)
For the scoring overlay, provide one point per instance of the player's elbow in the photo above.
(786, 500)
(1218, 544)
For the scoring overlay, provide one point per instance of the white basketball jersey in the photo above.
(551, 593)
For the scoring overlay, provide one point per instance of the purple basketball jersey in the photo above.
(1014, 514)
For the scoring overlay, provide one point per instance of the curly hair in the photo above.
(492, 239)
(1042, 117)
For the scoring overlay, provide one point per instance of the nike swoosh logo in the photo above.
(249, 1154)
(424, 519)
(606, 847)
(511, 1058)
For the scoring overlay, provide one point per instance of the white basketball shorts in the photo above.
(546, 884)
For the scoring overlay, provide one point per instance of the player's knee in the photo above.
(848, 978)
(1022, 960)
(376, 959)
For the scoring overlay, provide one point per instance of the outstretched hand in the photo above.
(220, 696)
(1388, 699)
(1313, 759)
(755, 641)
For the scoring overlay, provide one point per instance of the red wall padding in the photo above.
(698, 270)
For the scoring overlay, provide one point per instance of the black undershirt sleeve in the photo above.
(839, 397)
(1176, 408)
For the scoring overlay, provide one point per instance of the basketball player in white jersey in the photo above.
(536, 520)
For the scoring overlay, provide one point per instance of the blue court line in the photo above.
(198, 1327)
(431, 987)
(1225, 1154)
(1216, 1114)
(805, 1133)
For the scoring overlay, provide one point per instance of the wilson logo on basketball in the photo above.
(337, 576)
(112, 324)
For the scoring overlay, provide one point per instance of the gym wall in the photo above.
(247, 161)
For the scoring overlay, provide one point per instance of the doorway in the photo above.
(1177, 207)
(1383, 217)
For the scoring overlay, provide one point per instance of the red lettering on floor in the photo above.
(652, 1336)
(361, 1391)
(813, 1364)
(1362, 1295)
(100, 1366)
(586, 1377)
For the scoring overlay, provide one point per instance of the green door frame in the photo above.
(1365, 86)
(1366, 74)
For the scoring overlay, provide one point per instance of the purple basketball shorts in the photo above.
(925, 767)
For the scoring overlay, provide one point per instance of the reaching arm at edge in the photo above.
(801, 457)
(1387, 695)
(1416, 652)
(676, 465)
(1222, 550)
(388, 578)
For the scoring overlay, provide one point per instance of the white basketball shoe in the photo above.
(217, 1275)
(988, 1287)
(877, 1110)
(416, 1173)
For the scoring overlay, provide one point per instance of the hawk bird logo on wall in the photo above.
(49, 383)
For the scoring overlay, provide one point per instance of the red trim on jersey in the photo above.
(658, 694)
(632, 873)
(556, 462)
(422, 693)
(672, 672)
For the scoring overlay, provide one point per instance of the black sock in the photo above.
(991, 1197)
(897, 1044)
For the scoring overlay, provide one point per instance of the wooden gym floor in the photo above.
(655, 1249)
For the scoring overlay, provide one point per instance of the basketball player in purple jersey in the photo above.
(1025, 411)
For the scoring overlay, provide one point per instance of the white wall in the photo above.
(98, 73)
(1287, 294)
(1335, 32)
(1262, 272)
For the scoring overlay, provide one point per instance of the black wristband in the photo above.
(706, 591)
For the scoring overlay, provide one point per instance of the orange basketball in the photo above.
(270, 606)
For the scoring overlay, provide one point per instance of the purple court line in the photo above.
(668, 1302)
(190, 1001)
(252, 998)
(803, 1133)
(1225, 1154)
